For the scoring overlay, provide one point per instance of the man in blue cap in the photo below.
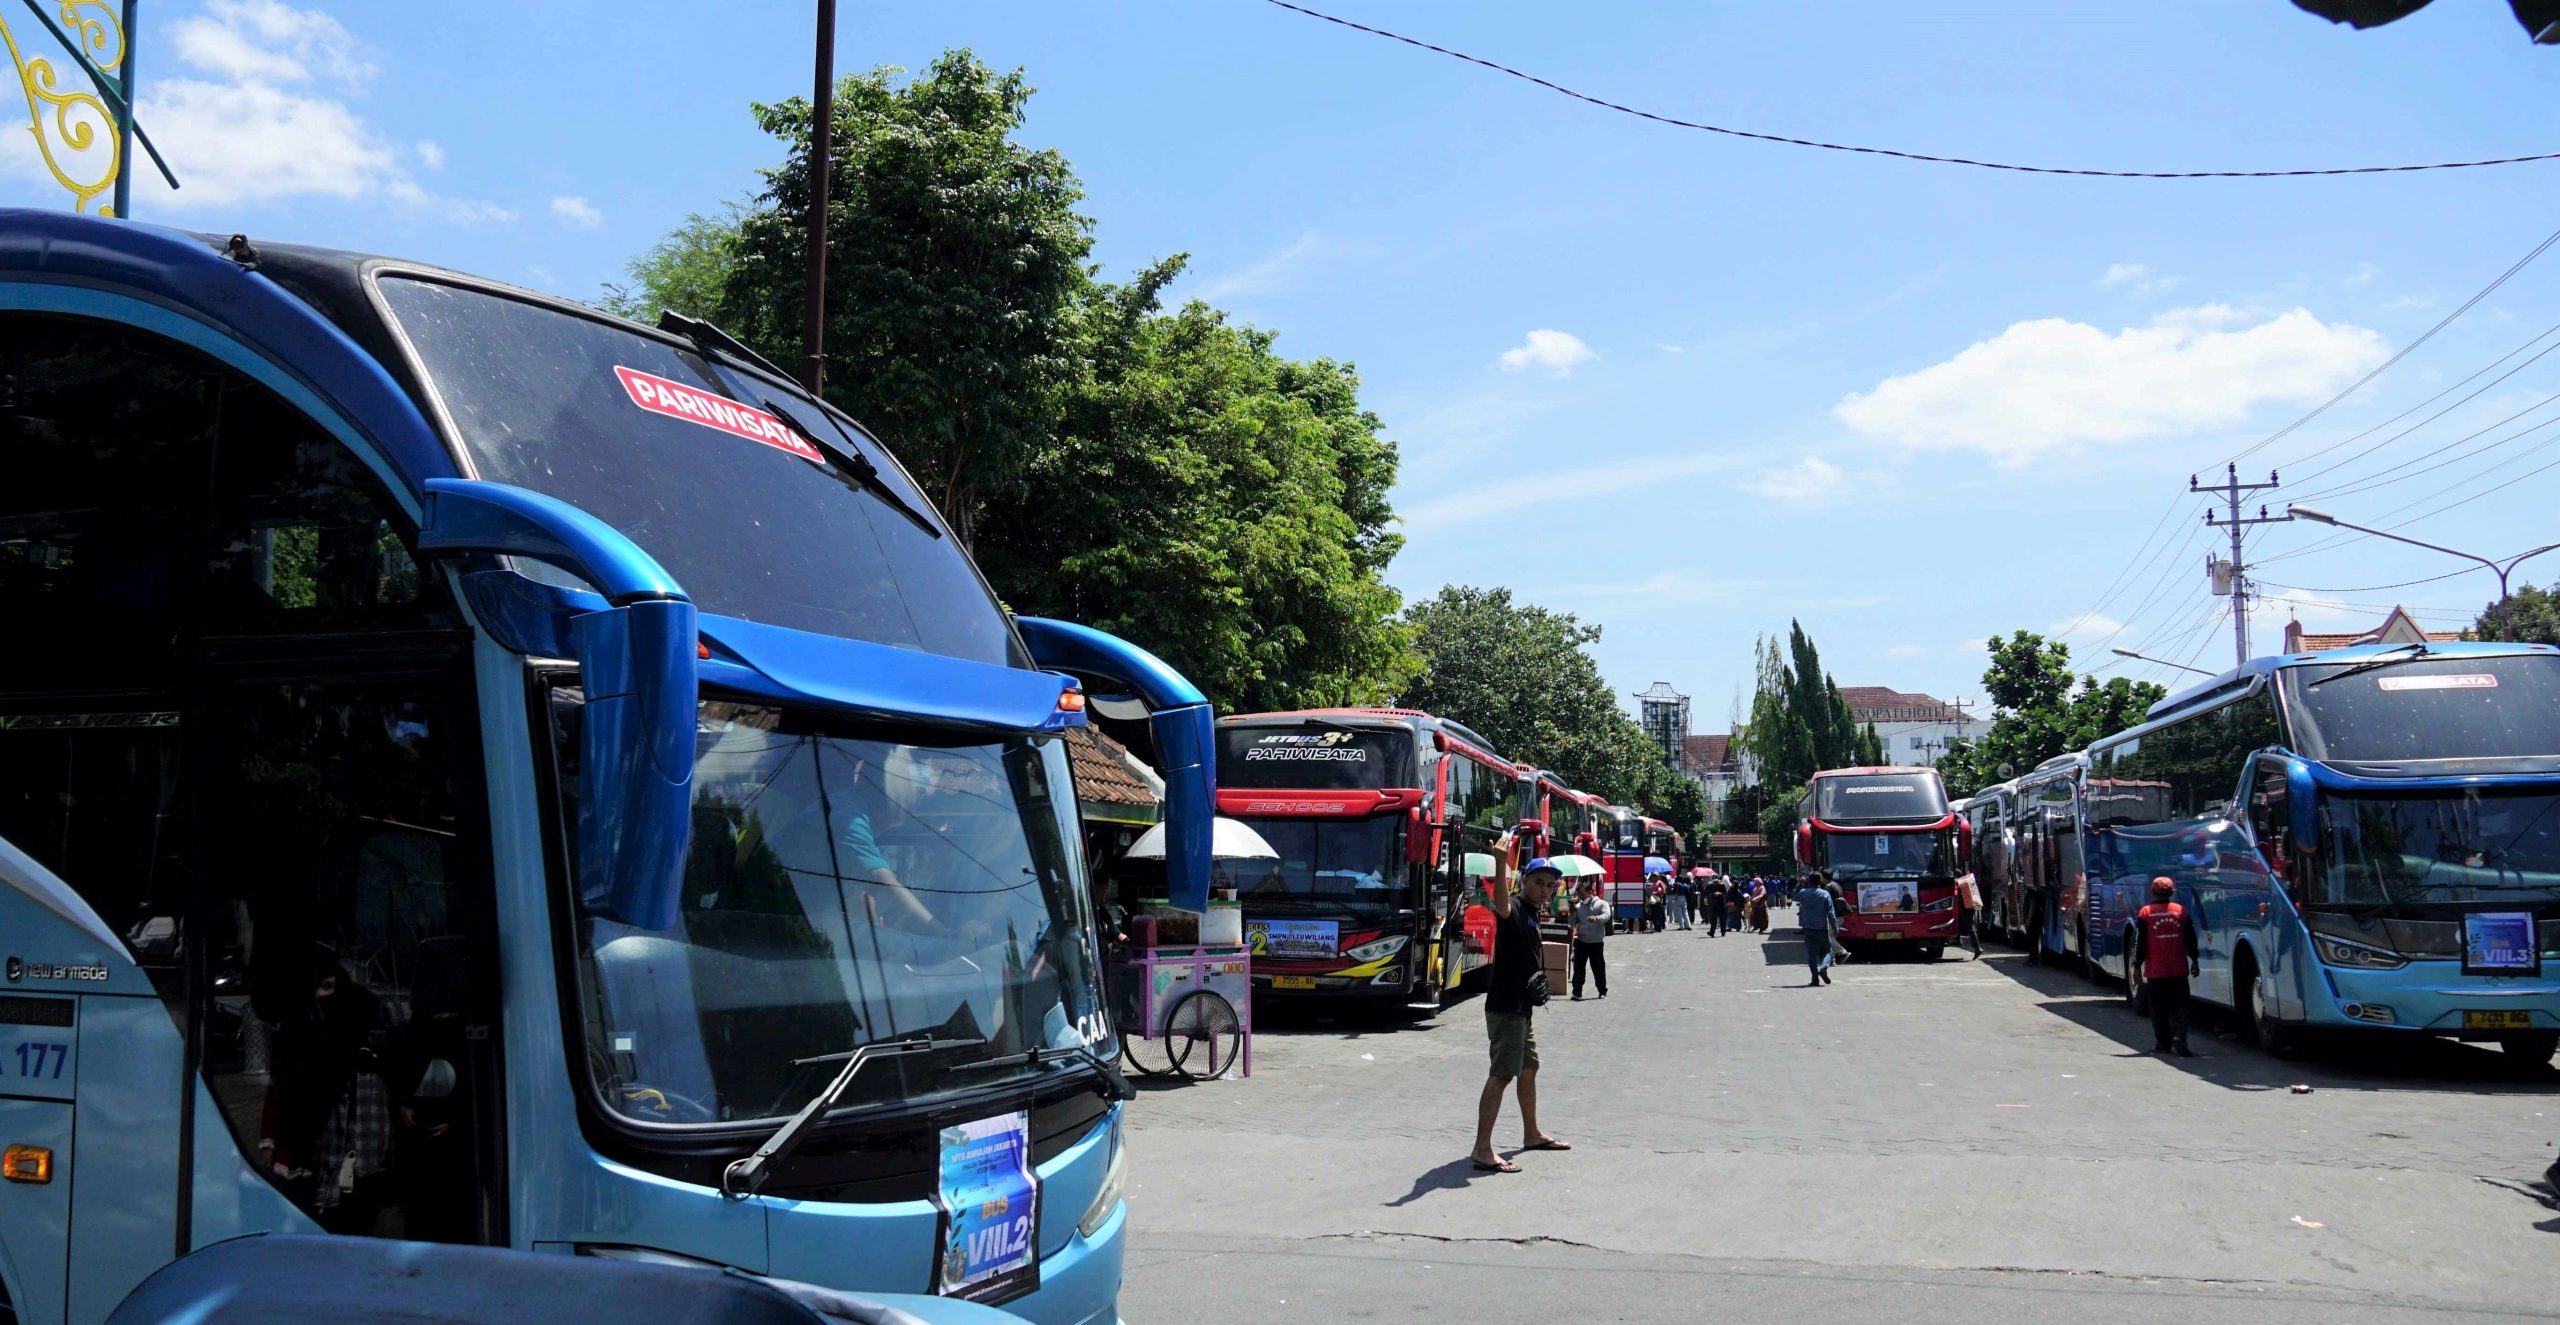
(1511, 1002)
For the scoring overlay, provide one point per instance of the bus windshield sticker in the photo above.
(1329, 747)
(659, 395)
(1884, 845)
(2443, 681)
(1871, 789)
(1292, 939)
(1889, 897)
(2500, 943)
(990, 1210)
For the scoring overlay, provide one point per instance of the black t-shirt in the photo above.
(1515, 959)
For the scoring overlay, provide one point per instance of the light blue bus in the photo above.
(477, 770)
(2369, 838)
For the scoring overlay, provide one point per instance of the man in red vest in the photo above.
(2169, 956)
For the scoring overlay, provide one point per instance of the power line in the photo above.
(2485, 291)
(2335, 466)
(2376, 588)
(1756, 136)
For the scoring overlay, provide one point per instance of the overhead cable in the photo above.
(1790, 141)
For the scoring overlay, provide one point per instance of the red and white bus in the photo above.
(1887, 836)
(1555, 819)
(1374, 813)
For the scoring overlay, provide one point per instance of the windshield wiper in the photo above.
(746, 1177)
(2380, 661)
(848, 461)
(1114, 1083)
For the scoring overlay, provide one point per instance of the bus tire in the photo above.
(1932, 951)
(2249, 1006)
(2137, 991)
(2534, 1049)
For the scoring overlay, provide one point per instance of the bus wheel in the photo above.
(1933, 952)
(2531, 1050)
(2137, 993)
(2249, 997)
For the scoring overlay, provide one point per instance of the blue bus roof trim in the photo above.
(2269, 664)
(183, 273)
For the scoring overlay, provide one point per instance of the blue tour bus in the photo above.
(477, 770)
(2369, 837)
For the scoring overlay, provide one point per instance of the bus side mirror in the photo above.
(1185, 731)
(1804, 844)
(2302, 803)
(636, 663)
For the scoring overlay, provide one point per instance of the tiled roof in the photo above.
(2397, 626)
(1885, 704)
(1102, 770)
(1708, 752)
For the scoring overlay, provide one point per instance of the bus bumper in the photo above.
(2434, 998)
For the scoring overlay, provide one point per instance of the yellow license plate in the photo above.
(1888, 933)
(1293, 982)
(2497, 1021)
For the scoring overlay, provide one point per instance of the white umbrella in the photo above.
(1228, 840)
(1576, 867)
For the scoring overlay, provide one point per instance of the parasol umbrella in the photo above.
(1576, 867)
(1479, 865)
(1702, 872)
(1656, 865)
(1228, 840)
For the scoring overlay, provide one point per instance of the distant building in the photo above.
(2397, 628)
(1913, 728)
(1718, 765)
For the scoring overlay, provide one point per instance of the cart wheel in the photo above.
(1202, 1036)
(1145, 1056)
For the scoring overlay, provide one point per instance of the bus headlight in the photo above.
(2339, 952)
(1376, 948)
(1942, 904)
(1115, 1185)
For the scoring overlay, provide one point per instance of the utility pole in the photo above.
(813, 313)
(2232, 576)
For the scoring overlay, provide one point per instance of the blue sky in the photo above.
(1685, 386)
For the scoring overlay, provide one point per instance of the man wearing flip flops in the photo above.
(1518, 986)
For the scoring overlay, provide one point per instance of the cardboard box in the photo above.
(1558, 958)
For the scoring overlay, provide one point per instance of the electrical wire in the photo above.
(2377, 446)
(2448, 320)
(1787, 140)
(2374, 588)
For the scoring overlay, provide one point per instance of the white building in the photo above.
(1913, 728)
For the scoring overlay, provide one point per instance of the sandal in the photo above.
(1549, 1144)
(1498, 1166)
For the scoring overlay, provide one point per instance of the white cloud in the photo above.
(1805, 480)
(1556, 490)
(1558, 352)
(2136, 277)
(268, 41)
(431, 155)
(2052, 385)
(1668, 348)
(1904, 651)
(577, 211)
(2363, 274)
(1272, 272)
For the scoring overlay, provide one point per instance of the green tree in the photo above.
(1799, 722)
(1229, 509)
(2037, 713)
(688, 271)
(1870, 747)
(2531, 614)
(955, 270)
(1523, 677)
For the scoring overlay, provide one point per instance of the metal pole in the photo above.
(813, 315)
(2506, 619)
(124, 117)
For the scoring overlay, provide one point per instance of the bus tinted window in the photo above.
(2428, 708)
(2186, 770)
(1314, 757)
(1334, 860)
(1873, 797)
(751, 530)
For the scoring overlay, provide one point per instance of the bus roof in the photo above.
(1881, 769)
(2232, 681)
(1413, 718)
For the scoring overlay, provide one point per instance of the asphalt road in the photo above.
(1965, 1140)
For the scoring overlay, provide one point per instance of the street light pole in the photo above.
(2506, 625)
(813, 312)
(2163, 662)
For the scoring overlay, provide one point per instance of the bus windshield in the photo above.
(2438, 848)
(843, 886)
(545, 399)
(1314, 757)
(1882, 855)
(1326, 865)
(2422, 707)
(1916, 797)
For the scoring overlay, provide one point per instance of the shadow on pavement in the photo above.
(2343, 1060)
(1455, 1175)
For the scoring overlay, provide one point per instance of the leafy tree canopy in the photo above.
(2038, 714)
(2532, 614)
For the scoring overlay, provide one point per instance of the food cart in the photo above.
(1182, 981)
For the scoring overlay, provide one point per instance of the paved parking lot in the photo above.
(1970, 1140)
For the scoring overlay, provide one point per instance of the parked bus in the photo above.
(1989, 816)
(2369, 838)
(478, 770)
(1557, 820)
(1374, 813)
(2050, 878)
(1666, 843)
(1887, 836)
